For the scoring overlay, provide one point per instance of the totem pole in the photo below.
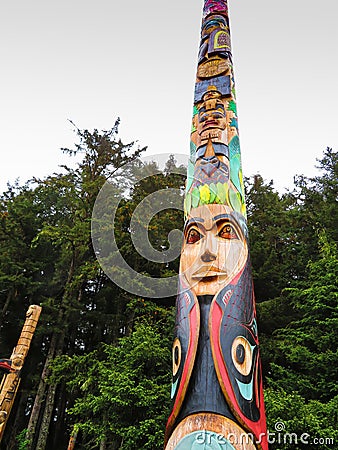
(217, 382)
(10, 382)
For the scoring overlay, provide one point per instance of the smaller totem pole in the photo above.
(10, 382)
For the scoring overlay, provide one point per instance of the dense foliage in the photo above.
(100, 362)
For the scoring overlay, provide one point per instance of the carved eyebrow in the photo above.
(194, 223)
(232, 221)
(200, 220)
(224, 216)
(193, 220)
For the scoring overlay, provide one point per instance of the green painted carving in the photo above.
(232, 107)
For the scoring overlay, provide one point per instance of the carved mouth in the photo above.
(210, 123)
(208, 272)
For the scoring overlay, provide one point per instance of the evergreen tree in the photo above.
(305, 358)
(122, 390)
(100, 360)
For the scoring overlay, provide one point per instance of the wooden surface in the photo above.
(10, 382)
(221, 427)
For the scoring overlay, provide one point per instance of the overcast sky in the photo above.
(92, 61)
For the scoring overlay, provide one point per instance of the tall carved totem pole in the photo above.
(217, 382)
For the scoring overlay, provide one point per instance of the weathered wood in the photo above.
(10, 382)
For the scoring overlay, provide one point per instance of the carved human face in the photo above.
(212, 113)
(214, 249)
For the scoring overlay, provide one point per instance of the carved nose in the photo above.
(208, 256)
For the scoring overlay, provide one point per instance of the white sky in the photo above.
(91, 61)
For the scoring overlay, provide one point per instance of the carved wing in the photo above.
(234, 341)
(184, 350)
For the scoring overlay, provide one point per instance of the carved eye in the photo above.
(220, 107)
(193, 236)
(228, 232)
(241, 352)
(177, 356)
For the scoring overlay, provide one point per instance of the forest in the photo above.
(99, 368)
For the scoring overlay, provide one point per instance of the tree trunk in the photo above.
(10, 296)
(47, 415)
(40, 395)
(59, 428)
(49, 401)
(48, 398)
